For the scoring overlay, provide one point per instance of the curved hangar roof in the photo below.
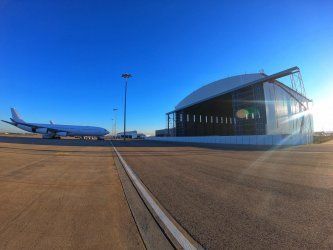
(218, 88)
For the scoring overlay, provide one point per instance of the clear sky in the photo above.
(62, 60)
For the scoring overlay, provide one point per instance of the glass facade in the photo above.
(287, 111)
(264, 108)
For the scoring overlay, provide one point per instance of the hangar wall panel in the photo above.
(273, 140)
(285, 113)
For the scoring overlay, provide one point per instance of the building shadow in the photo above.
(149, 143)
(55, 142)
(128, 143)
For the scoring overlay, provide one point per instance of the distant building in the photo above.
(164, 132)
(249, 104)
(129, 134)
(132, 135)
(141, 136)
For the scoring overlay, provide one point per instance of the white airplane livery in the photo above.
(55, 131)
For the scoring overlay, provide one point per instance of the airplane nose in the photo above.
(106, 131)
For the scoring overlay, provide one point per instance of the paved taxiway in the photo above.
(62, 195)
(237, 198)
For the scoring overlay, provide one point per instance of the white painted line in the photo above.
(178, 235)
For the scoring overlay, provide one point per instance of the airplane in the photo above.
(55, 131)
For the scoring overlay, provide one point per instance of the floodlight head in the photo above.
(126, 75)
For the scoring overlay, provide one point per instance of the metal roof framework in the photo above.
(297, 86)
(296, 91)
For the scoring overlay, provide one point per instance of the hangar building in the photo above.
(248, 104)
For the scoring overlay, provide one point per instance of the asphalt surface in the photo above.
(229, 197)
(58, 194)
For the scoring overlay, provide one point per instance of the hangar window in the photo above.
(221, 119)
(200, 118)
(230, 120)
(188, 118)
(206, 119)
(211, 119)
(181, 117)
(193, 118)
(217, 119)
(226, 120)
(252, 115)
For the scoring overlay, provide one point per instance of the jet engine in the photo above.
(62, 133)
(26, 128)
(41, 130)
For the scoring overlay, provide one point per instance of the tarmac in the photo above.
(233, 197)
(73, 194)
(62, 194)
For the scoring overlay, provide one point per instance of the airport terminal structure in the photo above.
(251, 106)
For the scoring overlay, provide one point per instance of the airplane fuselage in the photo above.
(55, 130)
(64, 130)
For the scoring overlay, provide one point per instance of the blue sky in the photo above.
(62, 60)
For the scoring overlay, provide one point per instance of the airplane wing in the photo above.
(17, 121)
(33, 126)
(36, 127)
(11, 123)
(50, 129)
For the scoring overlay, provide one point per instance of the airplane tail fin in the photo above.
(51, 122)
(15, 116)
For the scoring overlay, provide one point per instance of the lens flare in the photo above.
(242, 113)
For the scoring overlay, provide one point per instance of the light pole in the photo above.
(115, 121)
(126, 76)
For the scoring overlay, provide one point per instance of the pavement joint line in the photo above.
(127, 202)
(176, 233)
